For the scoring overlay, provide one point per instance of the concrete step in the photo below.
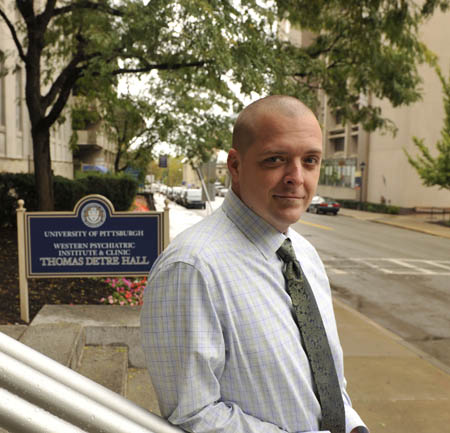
(106, 365)
(140, 390)
(13, 331)
(62, 342)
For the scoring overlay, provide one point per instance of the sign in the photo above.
(163, 161)
(99, 168)
(93, 240)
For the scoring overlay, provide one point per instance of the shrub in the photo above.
(119, 189)
(125, 291)
(12, 187)
(369, 207)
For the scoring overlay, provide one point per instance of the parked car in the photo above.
(217, 186)
(192, 198)
(222, 192)
(176, 190)
(163, 189)
(178, 197)
(323, 205)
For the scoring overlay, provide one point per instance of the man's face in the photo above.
(277, 175)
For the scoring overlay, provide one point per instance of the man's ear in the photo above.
(234, 164)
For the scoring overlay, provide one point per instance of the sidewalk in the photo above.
(423, 223)
(393, 386)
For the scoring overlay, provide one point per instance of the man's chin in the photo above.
(290, 217)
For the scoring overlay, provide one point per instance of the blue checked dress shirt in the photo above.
(222, 347)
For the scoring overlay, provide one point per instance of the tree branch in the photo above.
(87, 5)
(14, 35)
(61, 101)
(61, 81)
(161, 67)
(45, 17)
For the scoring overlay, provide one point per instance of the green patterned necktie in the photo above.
(315, 341)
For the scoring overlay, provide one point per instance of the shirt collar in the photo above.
(265, 237)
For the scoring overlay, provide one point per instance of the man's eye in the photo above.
(312, 160)
(275, 159)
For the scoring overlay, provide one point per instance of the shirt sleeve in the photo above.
(185, 354)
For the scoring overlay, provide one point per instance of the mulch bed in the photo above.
(41, 291)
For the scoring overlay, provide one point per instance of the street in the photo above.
(399, 278)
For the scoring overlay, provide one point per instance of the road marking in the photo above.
(373, 266)
(438, 264)
(337, 271)
(408, 265)
(391, 266)
(315, 225)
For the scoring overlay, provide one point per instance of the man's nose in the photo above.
(294, 173)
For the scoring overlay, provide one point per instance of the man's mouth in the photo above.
(289, 196)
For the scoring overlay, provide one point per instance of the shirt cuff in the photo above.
(353, 420)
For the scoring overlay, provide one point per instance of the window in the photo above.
(2, 90)
(338, 172)
(337, 144)
(19, 100)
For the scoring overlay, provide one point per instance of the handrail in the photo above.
(15, 416)
(69, 395)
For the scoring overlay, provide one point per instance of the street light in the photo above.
(361, 165)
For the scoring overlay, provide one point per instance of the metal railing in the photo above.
(37, 394)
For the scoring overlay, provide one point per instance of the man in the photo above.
(224, 342)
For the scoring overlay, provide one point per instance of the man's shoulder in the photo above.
(212, 235)
(300, 242)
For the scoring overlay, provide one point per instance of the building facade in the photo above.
(389, 175)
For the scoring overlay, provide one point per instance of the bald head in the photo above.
(248, 124)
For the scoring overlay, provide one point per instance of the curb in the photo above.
(380, 220)
(412, 228)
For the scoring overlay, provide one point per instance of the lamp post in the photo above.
(361, 165)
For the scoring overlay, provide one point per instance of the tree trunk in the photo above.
(43, 170)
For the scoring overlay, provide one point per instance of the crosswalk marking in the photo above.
(437, 264)
(409, 265)
(337, 271)
(391, 266)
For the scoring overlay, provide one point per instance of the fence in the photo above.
(438, 212)
(37, 394)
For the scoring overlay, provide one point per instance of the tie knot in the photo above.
(286, 251)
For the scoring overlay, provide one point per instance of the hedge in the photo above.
(120, 189)
(369, 207)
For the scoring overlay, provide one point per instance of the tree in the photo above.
(86, 43)
(188, 51)
(124, 124)
(435, 170)
(172, 175)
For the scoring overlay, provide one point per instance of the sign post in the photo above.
(93, 240)
(23, 282)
